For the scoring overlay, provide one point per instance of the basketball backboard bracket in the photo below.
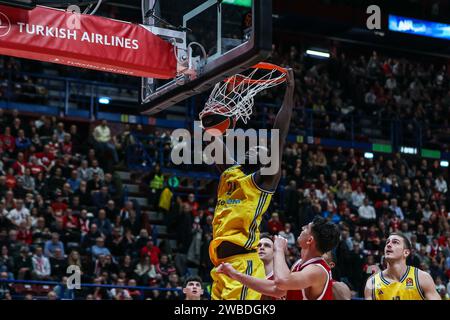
(198, 73)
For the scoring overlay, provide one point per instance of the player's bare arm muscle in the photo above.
(428, 286)
(282, 123)
(264, 286)
(368, 290)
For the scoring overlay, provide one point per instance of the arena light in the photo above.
(317, 54)
(368, 155)
(408, 150)
(419, 27)
(104, 100)
(444, 163)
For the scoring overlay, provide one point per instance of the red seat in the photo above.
(43, 290)
(23, 288)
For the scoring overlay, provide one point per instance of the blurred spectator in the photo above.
(5, 287)
(41, 265)
(19, 214)
(367, 213)
(63, 292)
(288, 235)
(146, 271)
(23, 265)
(152, 251)
(102, 136)
(58, 265)
(52, 245)
(120, 293)
(99, 248)
(274, 224)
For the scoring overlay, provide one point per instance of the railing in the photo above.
(40, 288)
(30, 286)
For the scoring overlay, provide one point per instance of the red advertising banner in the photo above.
(85, 41)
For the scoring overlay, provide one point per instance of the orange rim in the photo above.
(261, 65)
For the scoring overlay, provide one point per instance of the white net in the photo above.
(234, 97)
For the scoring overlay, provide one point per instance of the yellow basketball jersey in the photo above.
(240, 207)
(407, 289)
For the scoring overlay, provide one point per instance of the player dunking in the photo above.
(400, 281)
(309, 278)
(243, 196)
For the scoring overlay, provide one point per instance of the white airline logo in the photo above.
(5, 25)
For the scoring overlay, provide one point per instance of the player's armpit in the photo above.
(265, 182)
(308, 277)
(427, 285)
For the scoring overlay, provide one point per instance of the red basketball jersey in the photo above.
(263, 297)
(327, 292)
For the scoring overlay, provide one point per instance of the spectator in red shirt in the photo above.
(46, 157)
(10, 179)
(151, 250)
(24, 233)
(135, 294)
(194, 204)
(35, 167)
(54, 145)
(8, 141)
(71, 226)
(20, 164)
(59, 206)
(274, 224)
(67, 144)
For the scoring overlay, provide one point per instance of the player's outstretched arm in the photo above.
(428, 286)
(368, 289)
(264, 286)
(282, 123)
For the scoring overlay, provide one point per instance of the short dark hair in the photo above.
(192, 278)
(266, 235)
(326, 234)
(406, 242)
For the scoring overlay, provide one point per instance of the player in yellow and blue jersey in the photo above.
(243, 196)
(400, 281)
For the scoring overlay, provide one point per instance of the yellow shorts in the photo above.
(225, 288)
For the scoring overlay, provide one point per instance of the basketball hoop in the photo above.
(234, 96)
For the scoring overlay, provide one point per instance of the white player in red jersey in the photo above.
(265, 253)
(309, 278)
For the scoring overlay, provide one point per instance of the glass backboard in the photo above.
(214, 38)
